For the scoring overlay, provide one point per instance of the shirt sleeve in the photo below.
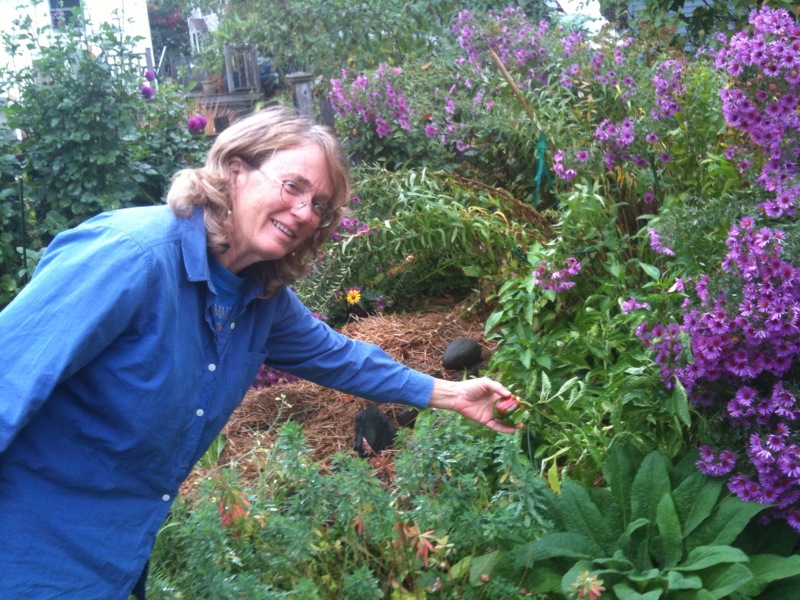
(84, 292)
(303, 345)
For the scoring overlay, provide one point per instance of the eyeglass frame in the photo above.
(325, 219)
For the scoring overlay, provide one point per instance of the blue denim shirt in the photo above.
(115, 382)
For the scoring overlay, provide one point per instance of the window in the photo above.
(62, 13)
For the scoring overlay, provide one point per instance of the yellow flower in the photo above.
(353, 296)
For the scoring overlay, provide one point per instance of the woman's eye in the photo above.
(293, 187)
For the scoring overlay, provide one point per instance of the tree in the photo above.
(692, 21)
(324, 37)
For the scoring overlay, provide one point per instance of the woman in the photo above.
(141, 331)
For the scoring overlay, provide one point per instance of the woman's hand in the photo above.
(473, 399)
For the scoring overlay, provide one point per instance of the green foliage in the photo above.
(653, 532)
(687, 23)
(92, 142)
(322, 37)
(546, 338)
(422, 234)
(343, 533)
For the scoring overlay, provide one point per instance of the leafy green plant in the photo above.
(652, 533)
(96, 135)
(420, 234)
(354, 529)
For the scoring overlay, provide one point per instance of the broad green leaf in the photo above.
(482, 565)
(723, 580)
(553, 545)
(679, 581)
(619, 472)
(649, 487)
(725, 524)
(670, 537)
(695, 499)
(461, 568)
(651, 270)
(767, 568)
(708, 556)
(678, 404)
(582, 516)
(625, 592)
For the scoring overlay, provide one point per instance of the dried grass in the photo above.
(328, 416)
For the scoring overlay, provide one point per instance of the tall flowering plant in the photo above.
(762, 101)
(743, 345)
(737, 347)
(376, 99)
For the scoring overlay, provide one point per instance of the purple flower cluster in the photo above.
(669, 89)
(764, 98)
(147, 92)
(631, 141)
(516, 41)
(375, 99)
(603, 64)
(747, 346)
(633, 304)
(268, 377)
(656, 245)
(557, 281)
(196, 124)
(350, 227)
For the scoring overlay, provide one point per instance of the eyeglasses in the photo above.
(294, 195)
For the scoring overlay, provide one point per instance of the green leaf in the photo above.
(726, 579)
(679, 581)
(649, 487)
(625, 592)
(767, 568)
(651, 270)
(557, 545)
(708, 556)
(670, 539)
(678, 404)
(482, 565)
(619, 472)
(726, 524)
(581, 516)
(695, 499)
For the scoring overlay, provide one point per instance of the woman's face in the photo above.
(262, 225)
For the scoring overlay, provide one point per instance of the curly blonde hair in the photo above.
(254, 139)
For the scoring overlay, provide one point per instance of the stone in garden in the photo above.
(461, 353)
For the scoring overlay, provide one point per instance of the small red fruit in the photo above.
(504, 409)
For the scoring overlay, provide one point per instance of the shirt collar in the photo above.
(195, 254)
(194, 246)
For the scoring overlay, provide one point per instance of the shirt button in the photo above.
(199, 412)
(165, 497)
(233, 325)
(212, 367)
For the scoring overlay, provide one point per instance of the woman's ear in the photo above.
(235, 165)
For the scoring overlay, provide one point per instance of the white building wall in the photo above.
(130, 16)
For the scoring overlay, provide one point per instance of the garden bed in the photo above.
(328, 416)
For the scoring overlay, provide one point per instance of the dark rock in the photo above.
(461, 353)
(374, 431)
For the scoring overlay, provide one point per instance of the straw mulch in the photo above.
(328, 416)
